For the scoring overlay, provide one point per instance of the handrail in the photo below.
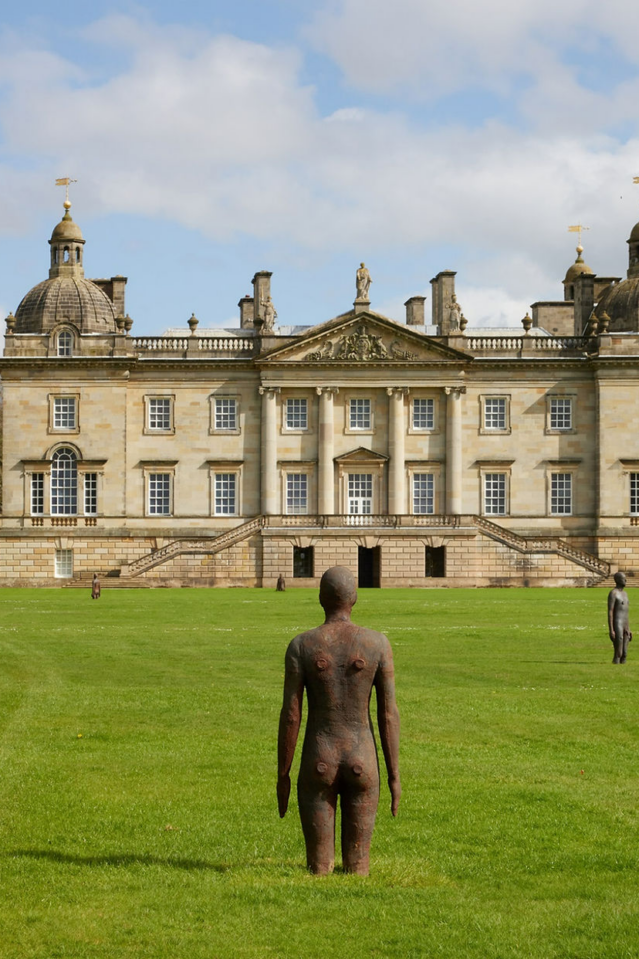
(548, 545)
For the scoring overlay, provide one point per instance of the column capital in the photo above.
(454, 389)
(269, 389)
(326, 389)
(404, 390)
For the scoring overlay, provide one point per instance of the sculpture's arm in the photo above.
(388, 722)
(290, 720)
(611, 609)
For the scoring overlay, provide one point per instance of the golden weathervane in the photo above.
(64, 181)
(578, 228)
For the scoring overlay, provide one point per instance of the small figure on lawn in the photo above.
(338, 663)
(618, 623)
(281, 584)
(95, 587)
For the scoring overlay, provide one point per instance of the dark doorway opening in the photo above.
(368, 566)
(435, 561)
(303, 562)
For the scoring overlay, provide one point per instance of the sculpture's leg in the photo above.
(359, 808)
(624, 647)
(317, 813)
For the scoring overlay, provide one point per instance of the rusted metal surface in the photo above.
(338, 664)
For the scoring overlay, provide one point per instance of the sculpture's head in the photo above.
(337, 589)
(620, 579)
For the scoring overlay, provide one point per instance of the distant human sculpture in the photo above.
(338, 663)
(281, 584)
(363, 282)
(618, 618)
(269, 315)
(95, 587)
(455, 314)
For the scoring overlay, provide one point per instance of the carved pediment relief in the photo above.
(364, 339)
(360, 456)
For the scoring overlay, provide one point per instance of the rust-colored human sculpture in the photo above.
(618, 618)
(95, 587)
(338, 663)
(281, 584)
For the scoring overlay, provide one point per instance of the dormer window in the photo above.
(65, 343)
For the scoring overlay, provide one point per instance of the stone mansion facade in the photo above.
(417, 454)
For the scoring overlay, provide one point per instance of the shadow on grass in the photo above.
(125, 859)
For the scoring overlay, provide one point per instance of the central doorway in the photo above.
(368, 567)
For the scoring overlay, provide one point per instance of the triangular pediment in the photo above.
(361, 455)
(362, 338)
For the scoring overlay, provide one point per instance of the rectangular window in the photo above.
(64, 413)
(37, 494)
(360, 493)
(159, 413)
(634, 494)
(296, 493)
(159, 494)
(423, 493)
(561, 494)
(303, 562)
(225, 414)
(495, 413)
(423, 414)
(225, 494)
(360, 415)
(296, 414)
(495, 494)
(63, 566)
(90, 494)
(560, 414)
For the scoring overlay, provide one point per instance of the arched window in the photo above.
(77, 254)
(65, 343)
(64, 483)
(65, 256)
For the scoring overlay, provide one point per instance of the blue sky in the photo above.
(211, 140)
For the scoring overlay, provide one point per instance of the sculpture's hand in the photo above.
(612, 635)
(396, 794)
(283, 792)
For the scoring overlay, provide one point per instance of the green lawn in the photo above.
(137, 780)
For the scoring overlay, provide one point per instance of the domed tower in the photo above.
(66, 297)
(575, 270)
(621, 301)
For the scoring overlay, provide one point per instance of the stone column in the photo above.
(454, 449)
(396, 448)
(269, 484)
(325, 452)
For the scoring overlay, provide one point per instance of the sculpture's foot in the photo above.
(616, 659)
(321, 868)
(357, 869)
(623, 659)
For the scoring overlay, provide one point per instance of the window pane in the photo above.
(634, 494)
(495, 494)
(65, 343)
(296, 414)
(560, 414)
(495, 413)
(90, 494)
(561, 494)
(63, 563)
(360, 414)
(64, 483)
(423, 493)
(64, 413)
(160, 413)
(160, 494)
(423, 414)
(37, 494)
(225, 414)
(303, 561)
(296, 493)
(225, 496)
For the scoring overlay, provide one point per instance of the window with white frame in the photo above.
(225, 413)
(159, 494)
(160, 414)
(90, 494)
(64, 483)
(63, 564)
(65, 343)
(37, 494)
(423, 493)
(225, 494)
(634, 494)
(494, 494)
(360, 493)
(495, 414)
(296, 413)
(65, 413)
(297, 493)
(560, 413)
(423, 414)
(360, 414)
(561, 494)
